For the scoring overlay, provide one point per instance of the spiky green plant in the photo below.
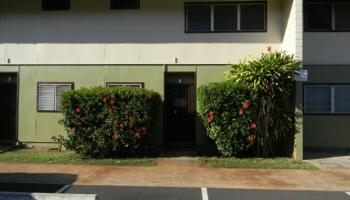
(271, 79)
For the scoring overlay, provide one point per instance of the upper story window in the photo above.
(123, 84)
(226, 17)
(326, 16)
(327, 99)
(49, 96)
(125, 4)
(56, 4)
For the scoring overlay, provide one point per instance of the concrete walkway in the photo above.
(177, 173)
(329, 161)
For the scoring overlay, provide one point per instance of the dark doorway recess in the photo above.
(180, 111)
(8, 107)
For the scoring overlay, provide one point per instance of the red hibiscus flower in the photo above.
(251, 138)
(145, 130)
(149, 99)
(210, 117)
(138, 136)
(74, 130)
(241, 112)
(77, 110)
(253, 126)
(245, 105)
(121, 125)
(269, 49)
(116, 137)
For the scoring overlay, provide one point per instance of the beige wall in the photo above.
(293, 28)
(91, 33)
(326, 48)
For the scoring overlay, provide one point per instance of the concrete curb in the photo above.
(45, 196)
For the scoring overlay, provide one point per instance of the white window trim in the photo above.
(55, 97)
(333, 91)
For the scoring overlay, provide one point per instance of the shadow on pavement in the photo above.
(34, 182)
(310, 154)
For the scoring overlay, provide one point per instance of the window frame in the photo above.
(333, 16)
(50, 83)
(43, 3)
(333, 90)
(125, 84)
(236, 3)
(138, 7)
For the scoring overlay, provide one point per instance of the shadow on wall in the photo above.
(35, 182)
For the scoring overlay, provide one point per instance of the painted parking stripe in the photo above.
(348, 193)
(63, 189)
(205, 194)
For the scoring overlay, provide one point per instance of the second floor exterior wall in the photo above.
(91, 33)
(327, 33)
(326, 48)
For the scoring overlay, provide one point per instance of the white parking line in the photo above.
(63, 189)
(205, 194)
(348, 193)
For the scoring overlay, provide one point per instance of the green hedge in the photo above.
(108, 122)
(227, 112)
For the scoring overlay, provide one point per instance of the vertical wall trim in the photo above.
(239, 17)
(17, 106)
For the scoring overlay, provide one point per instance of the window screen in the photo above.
(225, 17)
(342, 99)
(125, 4)
(318, 16)
(327, 99)
(49, 95)
(252, 17)
(199, 18)
(317, 99)
(342, 16)
(135, 85)
(56, 4)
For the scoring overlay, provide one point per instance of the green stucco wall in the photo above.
(41, 126)
(327, 131)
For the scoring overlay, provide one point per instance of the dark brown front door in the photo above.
(180, 93)
(8, 104)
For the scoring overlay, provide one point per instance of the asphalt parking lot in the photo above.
(168, 193)
(143, 193)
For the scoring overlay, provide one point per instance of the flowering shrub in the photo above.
(227, 111)
(111, 122)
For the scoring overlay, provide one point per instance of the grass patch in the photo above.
(256, 163)
(66, 158)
